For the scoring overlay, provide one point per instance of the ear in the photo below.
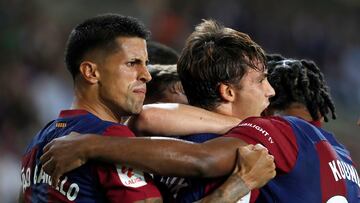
(89, 71)
(227, 92)
(176, 88)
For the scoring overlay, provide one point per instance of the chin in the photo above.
(137, 109)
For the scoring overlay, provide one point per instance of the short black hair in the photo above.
(161, 54)
(162, 77)
(100, 32)
(299, 81)
(214, 54)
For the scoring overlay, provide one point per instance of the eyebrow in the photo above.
(138, 61)
(263, 75)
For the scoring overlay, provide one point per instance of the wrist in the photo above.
(248, 180)
(89, 147)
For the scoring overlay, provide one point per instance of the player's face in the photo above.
(252, 95)
(123, 76)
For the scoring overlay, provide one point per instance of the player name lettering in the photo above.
(39, 177)
(260, 129)
(133, 181)
(342, 170)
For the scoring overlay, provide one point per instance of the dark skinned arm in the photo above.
(214, 158)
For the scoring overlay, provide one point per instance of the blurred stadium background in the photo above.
(35, 84)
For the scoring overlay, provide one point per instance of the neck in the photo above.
(88, 100)
(228, 110)
(296, 109)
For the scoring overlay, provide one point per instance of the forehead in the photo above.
(132, 47)
(253, 74)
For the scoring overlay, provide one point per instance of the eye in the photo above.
(131, 63)
(263, 78)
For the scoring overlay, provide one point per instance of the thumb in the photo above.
(244, 151)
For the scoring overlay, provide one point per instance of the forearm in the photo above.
(231, 191)
(165, 157)
(179, 119)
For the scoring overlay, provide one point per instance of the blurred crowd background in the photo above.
(34, 84)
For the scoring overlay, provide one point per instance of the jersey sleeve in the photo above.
(275, 134)
(123, 183)
(118, 131)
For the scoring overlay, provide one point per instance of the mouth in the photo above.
(140, 90)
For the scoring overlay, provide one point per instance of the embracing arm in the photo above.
(161, 156)
(179, 119)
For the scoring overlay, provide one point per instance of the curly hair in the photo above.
(161, 54)
(299, 81)
(162, 77)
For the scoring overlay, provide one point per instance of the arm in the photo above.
(255, 167)
(165, 119)
(166, 157)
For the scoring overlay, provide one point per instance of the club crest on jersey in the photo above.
(130, 177)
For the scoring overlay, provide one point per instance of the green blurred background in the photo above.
(35, 84)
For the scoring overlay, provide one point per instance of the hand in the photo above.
(64, 154)
(255, 165)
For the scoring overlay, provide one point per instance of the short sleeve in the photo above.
(123, 183)
(274, 133)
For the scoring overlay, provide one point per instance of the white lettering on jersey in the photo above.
(260, 129)
(342, 170)
(43, 178)
(130, 177)
(245, 199)
(337, 199)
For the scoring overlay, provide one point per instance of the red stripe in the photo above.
(28, 162)
(72, 112)
(329, 186)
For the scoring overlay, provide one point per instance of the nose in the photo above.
(144, 74)
(270, 92)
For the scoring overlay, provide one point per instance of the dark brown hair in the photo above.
(214, 54)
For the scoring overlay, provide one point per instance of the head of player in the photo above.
(161, 54)
(165, 85)
(300, 89)
(223, 70)
(107, 57)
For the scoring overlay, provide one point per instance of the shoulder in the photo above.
(118, 130)
(266, 126)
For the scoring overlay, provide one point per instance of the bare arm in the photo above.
(255, 167)
(179, 119)
(166, 157)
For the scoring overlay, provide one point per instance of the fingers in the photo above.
(45, 157)
(55, 178)
(48, 166)
(260, 147)
(244, 150)
(48, 146)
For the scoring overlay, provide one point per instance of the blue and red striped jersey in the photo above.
(92, 182)
(311, 165)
